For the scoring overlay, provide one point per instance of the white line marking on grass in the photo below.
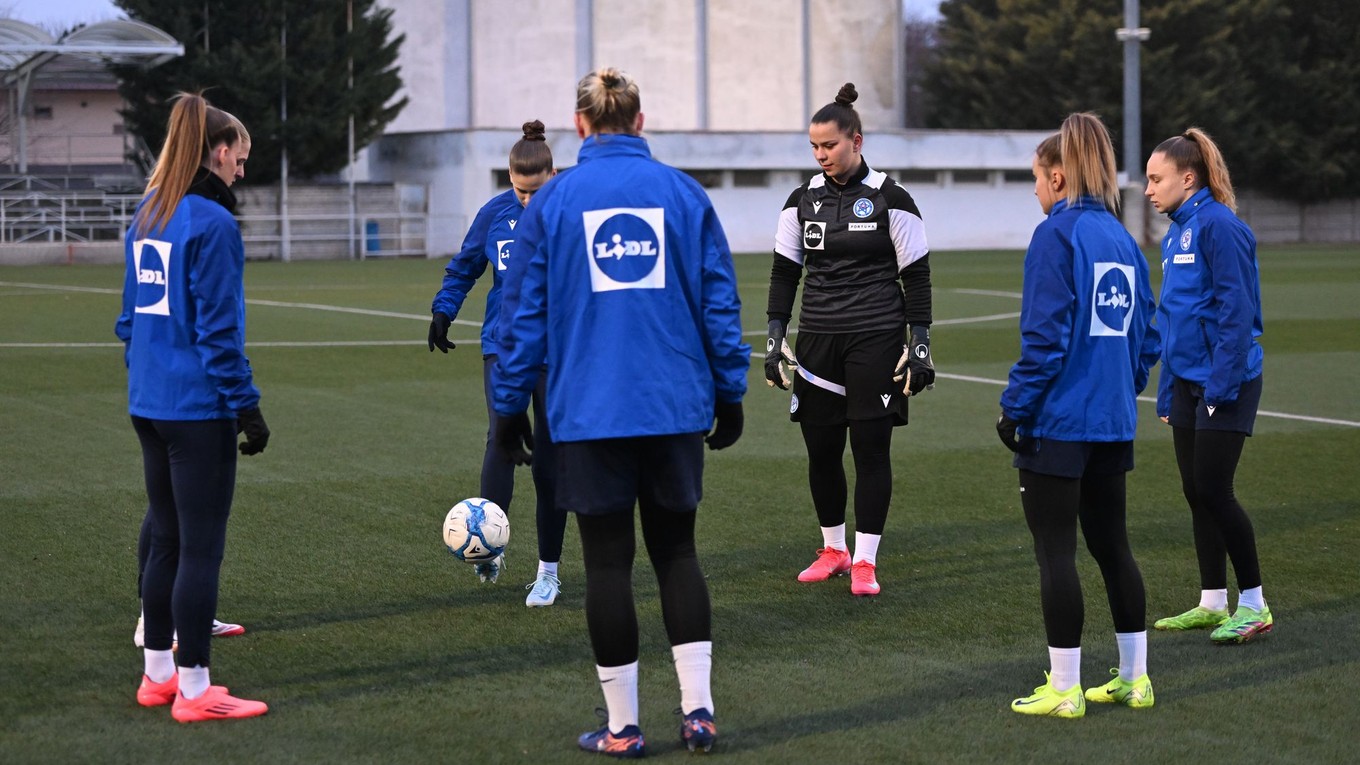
(990, 293)
(249, 301)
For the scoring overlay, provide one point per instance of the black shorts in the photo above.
(1074, 459)
(1188, 409)
(610, 475)
(842, 377)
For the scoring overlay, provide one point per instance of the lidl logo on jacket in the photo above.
(503, 252)
(151, 260)
(1112, 300)
(626, 248)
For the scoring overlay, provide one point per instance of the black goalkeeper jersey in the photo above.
(855, 242)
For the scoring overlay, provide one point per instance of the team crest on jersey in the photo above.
(1112, 300)
(863, 208)
(626, 248)
(1185, 239)
(814, 235)
(152, 260)
(502, 253)
(793, 403)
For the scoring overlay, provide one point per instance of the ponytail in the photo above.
(1088, 160)
(1195, 151)
(196, 127)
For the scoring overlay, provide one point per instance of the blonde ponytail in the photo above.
(1088, 160)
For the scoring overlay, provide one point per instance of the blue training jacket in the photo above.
(1210, 312)
(622, 280)
(1087, 340)
(184, 317)
(487, 241)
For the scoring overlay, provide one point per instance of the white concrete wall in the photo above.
(459, 168)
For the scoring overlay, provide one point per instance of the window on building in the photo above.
(502, 178)
(972, 176)
(750, 179)
(709, 179)
(918, 177)
(42, 112)
(1018, 176)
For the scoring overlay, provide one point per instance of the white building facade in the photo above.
(727, 87)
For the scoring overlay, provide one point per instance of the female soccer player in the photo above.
(190, 392)
(860, 238)
(1070, 409)
(643, 343)
(488, 241)
(1210, 385)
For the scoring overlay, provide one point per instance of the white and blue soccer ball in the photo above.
(476, 530)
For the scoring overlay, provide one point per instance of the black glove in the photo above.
(514, 438)
(1005, 428)
(251, 422)
(727, 423)
(777, 356)
(915, 370)
(439, 332)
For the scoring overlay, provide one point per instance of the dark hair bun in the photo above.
(611, 78)
(847, 94)
(534, 131)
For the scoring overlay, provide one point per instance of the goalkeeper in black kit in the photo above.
(863, 343)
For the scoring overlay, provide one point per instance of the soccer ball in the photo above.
(476, 530)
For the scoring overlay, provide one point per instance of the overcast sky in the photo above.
(60, 15)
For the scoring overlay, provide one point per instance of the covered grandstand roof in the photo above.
(26, 50)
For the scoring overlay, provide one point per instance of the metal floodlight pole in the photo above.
(285, 253)
(1132, 36)
(349, 62)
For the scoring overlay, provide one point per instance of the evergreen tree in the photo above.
(235, 52)
(1272, 81)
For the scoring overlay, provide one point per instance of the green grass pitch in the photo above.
(372, 644)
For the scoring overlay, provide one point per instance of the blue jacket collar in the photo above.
(614, 145)
(1191, 206)
(1082, 203)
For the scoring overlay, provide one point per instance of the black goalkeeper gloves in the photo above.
(514, 438)
(727, 425)
(439, 333)
(251, 422)
(915, 370)
(778, 358)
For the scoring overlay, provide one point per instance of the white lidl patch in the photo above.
(152, 259)
(626, 248)
(1112, 300)
(814, 235)
(503, 253)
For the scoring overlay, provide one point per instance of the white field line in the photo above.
(392, 314)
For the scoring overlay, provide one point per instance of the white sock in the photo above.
(1252, 599)
(1214, 600)
(193, 681)
(866, 548)
(545, 567)
(694, 667)
(1132, 654)
(833, 537)
(620, 695)
(1064, 667)
(159, 665)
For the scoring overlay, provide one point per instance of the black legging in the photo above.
(190, 470)
(498, 475)
(871, 446)
(1208, 462)
(608, 547)
(1052, 508)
